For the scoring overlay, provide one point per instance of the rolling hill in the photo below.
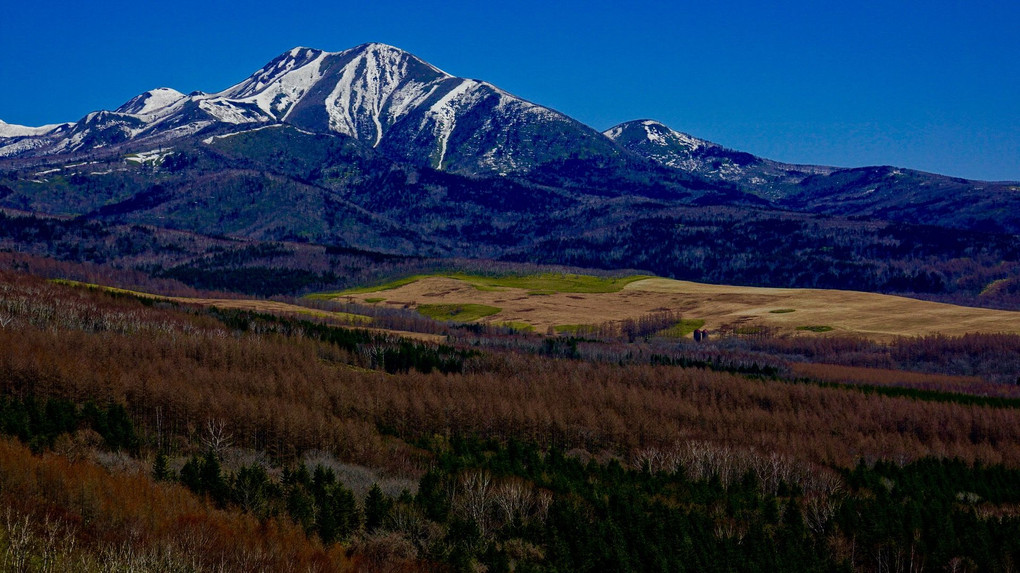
(543, 306)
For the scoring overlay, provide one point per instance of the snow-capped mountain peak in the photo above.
(152, 102)
(387, 54)
(375, 86)
(656, 141)
(378, 94)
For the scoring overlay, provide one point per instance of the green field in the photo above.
(518, 326)
(815, 328)
(545, 283)
(458, 312)
(683, 328)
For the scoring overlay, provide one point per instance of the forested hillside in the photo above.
(151, 435)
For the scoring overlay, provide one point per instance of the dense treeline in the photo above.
(938, 514)
(40, 422)
(993, 357)
(604, 516)
(956, 385)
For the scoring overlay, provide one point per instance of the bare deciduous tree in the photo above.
(514, 499)
(473, 498)
(217, 437)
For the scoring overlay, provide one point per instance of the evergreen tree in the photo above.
(432, 497)
(301, 507)
(191, 475)
(250, 489)
(211, 478)
(161, 467)
(345, 509)
(377, 508)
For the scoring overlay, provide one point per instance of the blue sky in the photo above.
(929, 85)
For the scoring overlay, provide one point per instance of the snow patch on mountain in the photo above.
(228, 111)
(375, 90)
(154, 156)
(20, 146)
(275, 72)
(12, 130)
(443, 114)
(211, 139)
(657, 141)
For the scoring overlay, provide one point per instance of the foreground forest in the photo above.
(141, 434)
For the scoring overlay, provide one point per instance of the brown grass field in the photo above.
(272, 307)
(880, 317)
(287, 309)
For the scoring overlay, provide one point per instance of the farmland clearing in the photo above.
(546, 302)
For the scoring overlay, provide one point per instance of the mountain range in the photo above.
(373, 148)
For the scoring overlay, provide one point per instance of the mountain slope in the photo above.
(670, 148)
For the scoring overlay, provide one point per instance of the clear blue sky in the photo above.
(932, 85)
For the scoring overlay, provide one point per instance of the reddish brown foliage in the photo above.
(289, 394)
(886, 377)
(104, 510)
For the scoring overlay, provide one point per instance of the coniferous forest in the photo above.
(144, 434)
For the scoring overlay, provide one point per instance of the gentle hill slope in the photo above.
(742, 309)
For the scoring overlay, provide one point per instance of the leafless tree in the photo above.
(514, 499)
(473, 498)
(217, 437)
